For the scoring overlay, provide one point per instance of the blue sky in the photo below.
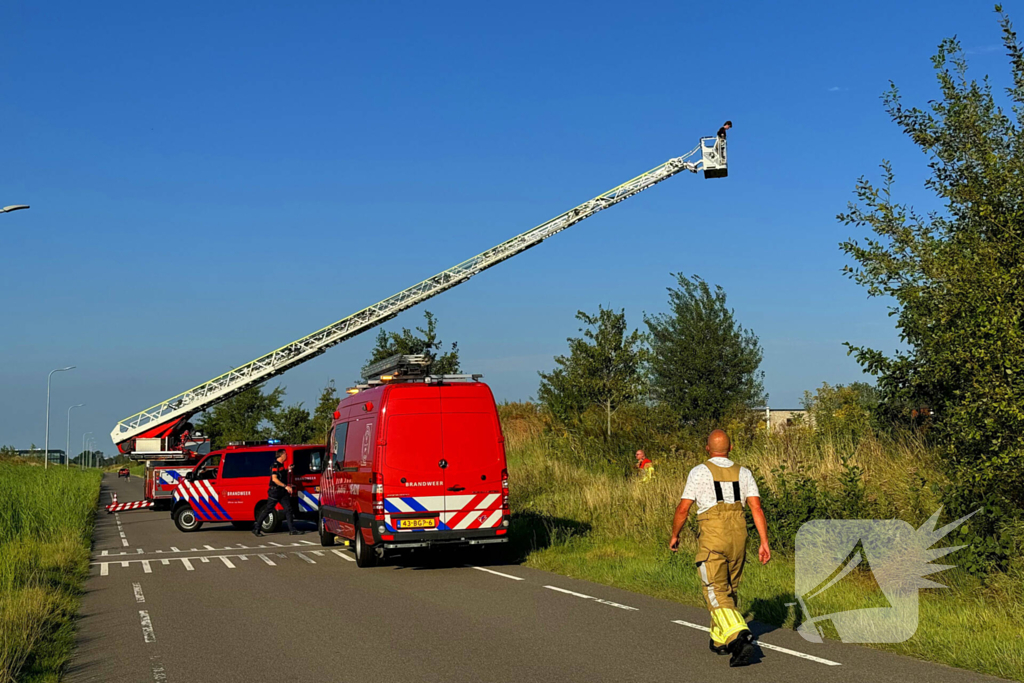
(209, 181)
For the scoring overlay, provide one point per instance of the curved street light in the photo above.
(67, 446)
(46, 439)
(13, 207)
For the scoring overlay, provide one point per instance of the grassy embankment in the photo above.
(603, 525)
(46, 521)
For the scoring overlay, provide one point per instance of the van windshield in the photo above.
(308, 461)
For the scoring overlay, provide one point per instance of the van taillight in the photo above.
(504, 491)
(377, 494)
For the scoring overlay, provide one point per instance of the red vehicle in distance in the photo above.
(414, 461)
(230, 485)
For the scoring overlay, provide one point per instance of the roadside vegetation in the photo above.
(46, 522)
(579, 510)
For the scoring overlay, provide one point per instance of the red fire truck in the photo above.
(230, 485)
(414, 461)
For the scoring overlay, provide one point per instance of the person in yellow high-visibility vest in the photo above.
(645, 466)
(721, 488)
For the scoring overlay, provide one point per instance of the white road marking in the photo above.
(801, 655)
(188, 565)
(343, 556)
(307, 542)
(591, 597)
(124, 541)
(491, 571)
(204, 559)
(174, 550)
(104, 568)
(307, 559)
(147, 627)
(138, 550)
(227, 563)
(318, 553)
(275, 544)
(103, 554)
(146, 569)
(165, 561)
(124, 564)
(209, 547)
(267, 560)
(139, 597)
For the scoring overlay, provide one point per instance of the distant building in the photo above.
(57, 455)
(778, 419)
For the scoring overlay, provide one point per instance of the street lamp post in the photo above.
(84, 459)
(13, 207)
(46, 439)
(67, 447)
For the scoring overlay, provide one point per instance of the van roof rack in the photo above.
(399, 365)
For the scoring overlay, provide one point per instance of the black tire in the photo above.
(272, 522)
(326, 537)
(366, 556)
(242, 526)
(185, 519)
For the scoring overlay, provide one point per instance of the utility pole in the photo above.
(46, 439)
(67, 445)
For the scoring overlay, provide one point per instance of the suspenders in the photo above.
(735, 491)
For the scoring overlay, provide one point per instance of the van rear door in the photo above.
(412, 470)
(472, 450)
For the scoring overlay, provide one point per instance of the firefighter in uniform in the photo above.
(279, 492)
(721, 488)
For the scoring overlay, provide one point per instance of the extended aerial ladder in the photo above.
(159, 432)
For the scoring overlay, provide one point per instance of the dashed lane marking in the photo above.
(227, 563)
(267, 560)
(343, 555)
(226, 559)
(147, 627)
(591, 597)
(204, 549)
(104, 568)
(139, 597)
(491, 571)
(188, 565)
(307, 559)
(767, 646)
(146, 569)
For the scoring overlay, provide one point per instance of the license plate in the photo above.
(430, 523)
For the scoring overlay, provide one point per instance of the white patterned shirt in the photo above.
(700, 486)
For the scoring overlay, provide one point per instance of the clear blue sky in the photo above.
(209, 181)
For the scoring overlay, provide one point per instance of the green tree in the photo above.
(245, 417)
(293, 424)
(704, 365)
(323, 415)
(842, 410)
(408, 342)
(956, 276)
(603, 368)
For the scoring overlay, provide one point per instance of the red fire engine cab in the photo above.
(230, 485)
(414, 461)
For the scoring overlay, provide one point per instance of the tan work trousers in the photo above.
(722, 541)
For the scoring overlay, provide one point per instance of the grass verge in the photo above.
(610, 529)
(46, 523)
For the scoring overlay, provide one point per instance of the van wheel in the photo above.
(273, 520)
(366, 556)
(185, 519)
(326, 537)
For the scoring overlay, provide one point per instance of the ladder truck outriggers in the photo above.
(166, 441)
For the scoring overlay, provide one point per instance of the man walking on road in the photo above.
(279, 492)
(721, 488)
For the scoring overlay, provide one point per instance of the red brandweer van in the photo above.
(415, 463)
(230, 485)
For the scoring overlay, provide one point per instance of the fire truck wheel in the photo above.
(185, 519)
(326, 537)
(366, 556)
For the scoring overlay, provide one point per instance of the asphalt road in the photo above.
(219, 605)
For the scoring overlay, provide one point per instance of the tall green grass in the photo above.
(603, 524)
(46, 520)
